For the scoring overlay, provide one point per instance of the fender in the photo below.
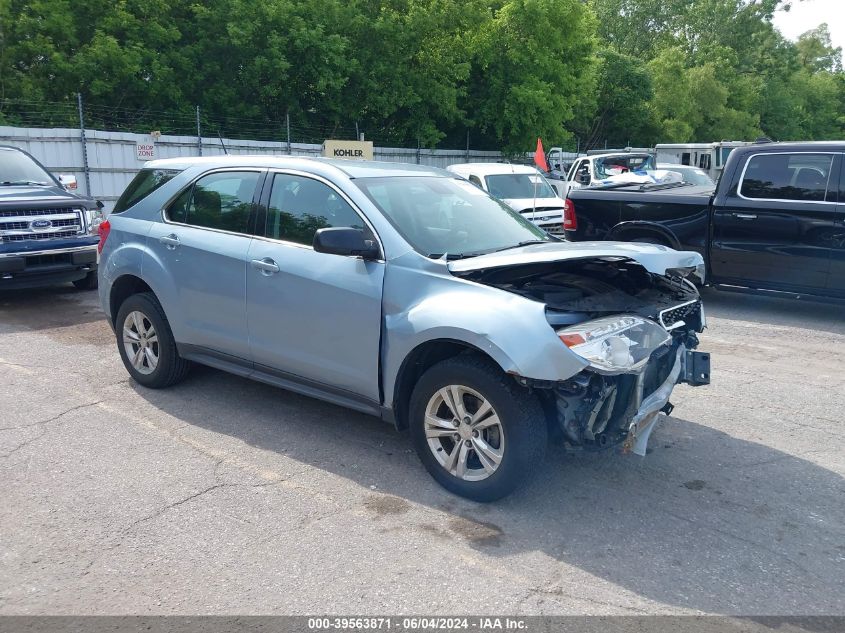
(618, 231)
(512, 330)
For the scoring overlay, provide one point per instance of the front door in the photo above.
(204, 245)
(313, 317)
(774, 230)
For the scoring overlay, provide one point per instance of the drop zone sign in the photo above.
(145, 151)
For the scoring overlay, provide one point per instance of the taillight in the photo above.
(103, 232)
(570, 220)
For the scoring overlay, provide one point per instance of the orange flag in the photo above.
(540, 156)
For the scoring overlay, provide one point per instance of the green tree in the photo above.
(532, 68)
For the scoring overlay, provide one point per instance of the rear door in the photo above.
(774, 229)
(203, 244)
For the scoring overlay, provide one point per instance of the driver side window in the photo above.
(300, 206)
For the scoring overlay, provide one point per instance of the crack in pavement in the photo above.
(43, 431)
(166, 508)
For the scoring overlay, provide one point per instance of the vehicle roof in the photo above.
(795, 146)
(352, 168)
(491, 169)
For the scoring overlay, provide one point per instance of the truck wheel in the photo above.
(146, 344)
(477, 432)
(88, 282)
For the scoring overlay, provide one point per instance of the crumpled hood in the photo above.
(653, 257)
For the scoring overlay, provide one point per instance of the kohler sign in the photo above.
(352, 150)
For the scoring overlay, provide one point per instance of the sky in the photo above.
(808, 14)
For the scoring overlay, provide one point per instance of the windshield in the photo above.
(448, 216)
(509, 186)
(615, 165)
(16, 168)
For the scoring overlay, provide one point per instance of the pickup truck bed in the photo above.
(775, 222)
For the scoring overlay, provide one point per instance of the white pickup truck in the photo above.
(521, 187)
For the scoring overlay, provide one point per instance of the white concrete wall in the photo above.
(112, 159)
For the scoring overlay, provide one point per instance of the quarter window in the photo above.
(300, 206)
(787, 177)
(143, 184)
(222, 200)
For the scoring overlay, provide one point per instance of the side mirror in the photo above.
(68, 181)
(345, 241)
(583, 177)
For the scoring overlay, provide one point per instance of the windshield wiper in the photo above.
(451, 256)
(12, 183)
(523, 243)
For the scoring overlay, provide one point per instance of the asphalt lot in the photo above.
(226, 496)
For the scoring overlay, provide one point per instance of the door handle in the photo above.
(267, 266)
(746, 216)
(170, 241)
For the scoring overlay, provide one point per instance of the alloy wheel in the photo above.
(140, 341)
(464, 433)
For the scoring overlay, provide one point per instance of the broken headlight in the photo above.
(615, 344)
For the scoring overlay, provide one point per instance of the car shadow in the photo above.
(706, 521)
(775, 310)
(49, 307)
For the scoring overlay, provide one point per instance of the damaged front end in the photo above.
(636, 329)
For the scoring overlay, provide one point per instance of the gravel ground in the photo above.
(226, 496)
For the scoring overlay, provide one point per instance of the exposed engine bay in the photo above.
(597, 409)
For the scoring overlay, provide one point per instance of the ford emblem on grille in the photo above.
(40, 224)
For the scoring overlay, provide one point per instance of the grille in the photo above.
(16, 224)
(10, 213)
(671, 316)
(40, 236)
(24, 226)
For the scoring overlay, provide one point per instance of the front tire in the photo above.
(478, 433)
(146, 344)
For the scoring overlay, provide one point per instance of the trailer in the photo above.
(710, 157)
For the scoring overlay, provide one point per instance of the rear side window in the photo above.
(787, 177)
(222, 200)
(143, 184)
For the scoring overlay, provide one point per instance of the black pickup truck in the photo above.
(776, 220)
(47, 234)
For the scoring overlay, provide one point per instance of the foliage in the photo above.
(427, 72)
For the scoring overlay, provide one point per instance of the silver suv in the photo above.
(404, 292)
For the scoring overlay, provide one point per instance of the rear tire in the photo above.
(88, 282)
(498, 443)
(146, 344)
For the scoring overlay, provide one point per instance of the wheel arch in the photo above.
(122, 288)
(418, 361)
(626, 231)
